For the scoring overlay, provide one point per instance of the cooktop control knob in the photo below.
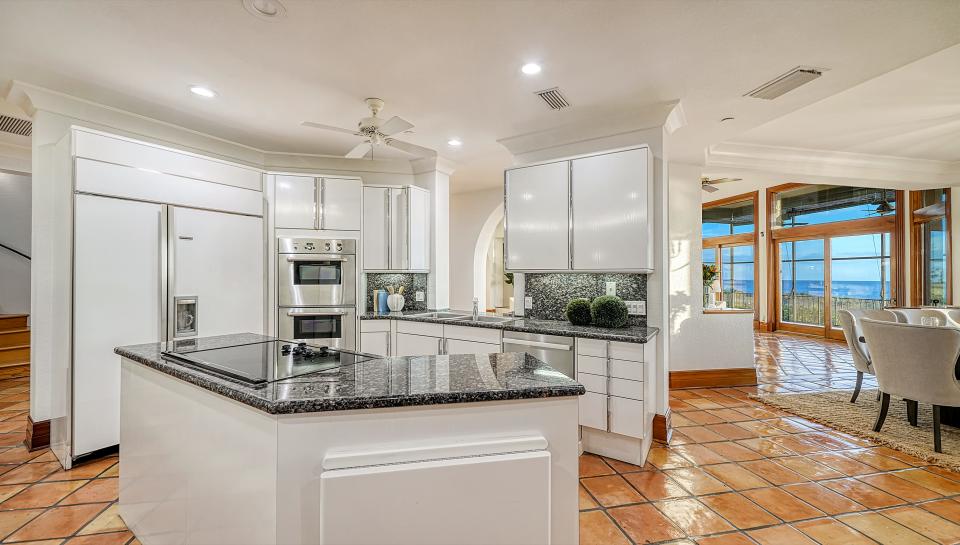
(339, 246)
(309, 246)
(326, 246)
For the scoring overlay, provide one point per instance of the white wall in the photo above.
(468, 214)
(697, 340)
(15, 233)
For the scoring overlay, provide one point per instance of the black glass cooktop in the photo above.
(265, 362)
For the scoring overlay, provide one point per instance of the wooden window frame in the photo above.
(916, 282)
(892, 224)
(742, 239)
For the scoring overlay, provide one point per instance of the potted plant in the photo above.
(710, 275)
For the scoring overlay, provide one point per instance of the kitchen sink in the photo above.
(441, 315)
(484, 319)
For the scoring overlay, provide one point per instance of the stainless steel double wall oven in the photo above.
(317, 291)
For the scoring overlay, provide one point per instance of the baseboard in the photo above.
(38, 434)
(662, 429)
(712, 378)
(762, 326)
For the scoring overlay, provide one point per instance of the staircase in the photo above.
(14, 340)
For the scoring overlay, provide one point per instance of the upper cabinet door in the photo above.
(611, 220)
(419, 230)
(296, 203)
(376, 229)
(399, 229)
(537, 217)
(340, 198)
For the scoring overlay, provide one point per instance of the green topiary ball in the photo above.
(578, 311)
(608, 311)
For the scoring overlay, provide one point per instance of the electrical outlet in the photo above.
(636, 308)
(611, 288)
(419, 296)
(528, 302)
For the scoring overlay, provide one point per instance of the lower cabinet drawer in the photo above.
(632, 389)
(593, 383)
(630, 370)
(627, 417)
(593, 410)
(591, 364)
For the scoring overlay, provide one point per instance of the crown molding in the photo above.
(433, 163)
(838, 164)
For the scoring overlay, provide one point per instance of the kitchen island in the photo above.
(429, 449)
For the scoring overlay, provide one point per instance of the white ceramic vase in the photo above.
(395, 302)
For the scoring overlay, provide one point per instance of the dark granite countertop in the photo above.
(630, 334)
(374, 383)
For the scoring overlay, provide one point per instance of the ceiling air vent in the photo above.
(15, 125)
(785, 83)
(553, 98)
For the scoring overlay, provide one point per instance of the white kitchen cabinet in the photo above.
(396, 228)
(375, 342)
(611, 195)
(296, 202)
(308, 202)
(457, 346)
(417, 345)
(340, 203)
(616, 377)
(537, 217)
(593, 410)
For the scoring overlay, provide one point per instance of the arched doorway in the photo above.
(489, 281)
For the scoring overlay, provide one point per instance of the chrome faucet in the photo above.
(476, 309)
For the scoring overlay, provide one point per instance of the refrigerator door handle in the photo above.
(170, 249)
(164, 271)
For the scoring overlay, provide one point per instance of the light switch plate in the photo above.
(636, 308)
(528, 302)
(419, 296)
(611, 288)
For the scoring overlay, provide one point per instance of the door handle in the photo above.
(318, 258)
(292, 313)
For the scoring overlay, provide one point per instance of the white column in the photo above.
(433, 173)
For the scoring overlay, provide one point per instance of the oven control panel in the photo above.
(316, 246)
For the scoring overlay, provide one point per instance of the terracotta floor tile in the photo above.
(926, 479)
(11, 520)
(766, 447)
(586, 502)
(115, 538)
(655, 485)
(726, 539)
(697, 481)
(88, 470)
(703, 417)
(897, 455)
(948, 509)
(782, 504)
(611, 490)
(809, 468)
(730, 415)
(9, 490)
(872, 458)
(701, 434)
(594, 466)
(702, 403)
(902, 488)
(700, 454)
(736, 477)
(823, 499)
(832, 532)
(97, 490)
(774, 472)
(114, 471)
(624, 467)
(733, 451)
(739, 511)
(926, 523)
(108, 521)
(883, 530)
(645, 524)
(58, 522)
(731, 431)
(28, 473)
(664, 458)
(693, 517)
(41, 495)
(596, 528)
(862, 493)
(843, 464)
(944, 472)
(780, 535)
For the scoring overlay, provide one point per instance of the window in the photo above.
(930, 246)
(729, 242)
(820, 204)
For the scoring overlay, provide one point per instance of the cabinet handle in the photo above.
(316, 204)
(322, 204)
(388, 227)
(608, 384)
(389, 348)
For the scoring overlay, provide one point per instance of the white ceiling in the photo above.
(913, 112)
(452, 68)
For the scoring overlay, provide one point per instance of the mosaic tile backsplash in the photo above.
(552, 291)
(412, 282)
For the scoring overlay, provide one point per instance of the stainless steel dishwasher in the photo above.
(554, 350)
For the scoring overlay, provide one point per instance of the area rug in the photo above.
(834, 409)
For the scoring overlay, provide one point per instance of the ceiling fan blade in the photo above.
(359, 151)
(395, 125)
(330, 128)
(709, 188)
(412, 149)
(724, 180)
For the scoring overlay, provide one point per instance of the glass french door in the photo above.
(822, 276)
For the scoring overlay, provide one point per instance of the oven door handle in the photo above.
(292, 313)
(315, 258)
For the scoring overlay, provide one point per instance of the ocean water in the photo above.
(859, 289)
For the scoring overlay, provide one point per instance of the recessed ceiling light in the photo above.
(531, 68)
(205, 92)
(455, 142)
(265, 9)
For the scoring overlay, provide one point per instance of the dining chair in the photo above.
(916, 315)
(917, 363)
(850, 324)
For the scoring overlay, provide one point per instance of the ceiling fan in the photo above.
(707, 184)
(376, 132)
